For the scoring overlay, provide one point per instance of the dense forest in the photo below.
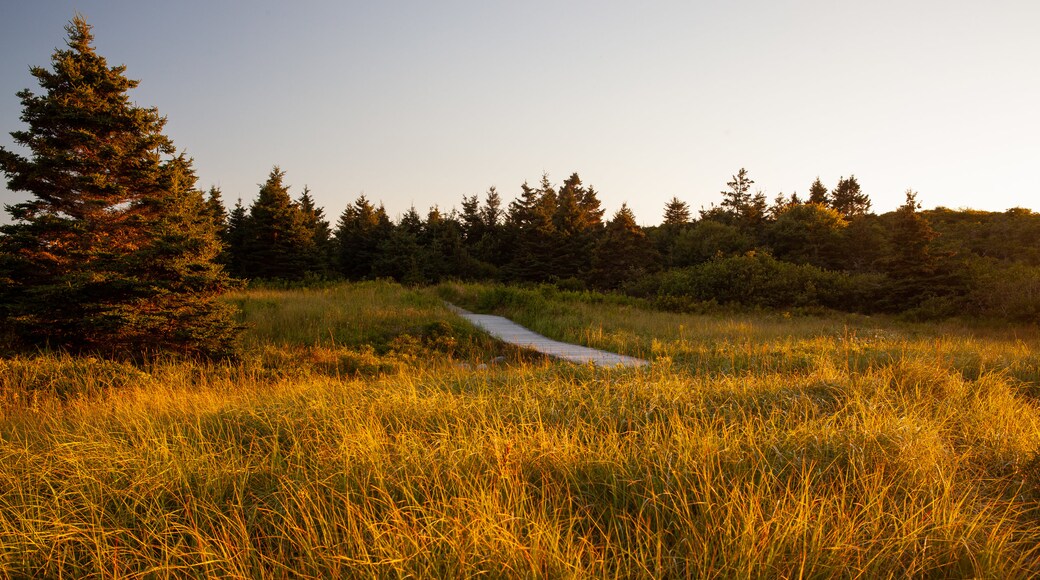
(117, 249)
(828, 250)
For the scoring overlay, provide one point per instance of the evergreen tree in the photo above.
(676, 220)
(217, 212)
(401, 254)
(472, 221)
(676, 213)
(444, 253)
(115, 251)
(481, 233)
(912, 266)
(623, 253)
(279, 242)
(576, 224)
(319, 251)
(780, 205)
(235, 237)
(739, 206)
(848, 199)
(360, 232)
(818, 193)
(531, 233)
(490, 248)
(737, 198)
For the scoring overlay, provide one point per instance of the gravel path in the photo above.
(508, 331)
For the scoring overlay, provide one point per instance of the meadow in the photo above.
(359, 436)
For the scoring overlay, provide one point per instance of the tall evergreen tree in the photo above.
(401, 254)
(320, 250)
(676, 220)
(360, 232)
(278, 243)
(235, 237)
(623, 253)
(737, 198)
(115, 251)
(576, 222)
(739, 206)
(818, 193)
(848, 199)
(676, 213)
(481, 231)
(490, 248)
(217, 212)
(531, 232)
(472, 221)
(912, 265)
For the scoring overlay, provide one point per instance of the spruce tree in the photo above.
(115, 251)
(360, 232)
(623, 253)
(676, 213)
(278, 242)
(572, 249)
(912, 265)
(676, 220)
(818, 193)
(216, 210)
(848, 199)
(235, 237)
(531, 230)
(739, 206)
(319, 250)
(400, 254)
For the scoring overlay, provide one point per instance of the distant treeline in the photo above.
(828, 250)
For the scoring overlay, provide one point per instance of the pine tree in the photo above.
(531, 231)
(401, 254)
(737, 198)
(445, 251)
(115, 252)
(472, 221)
(676, 213)
(319, 250)
(217, 212)
(360, 232)
(490, 248)
(278, 242)
(912, 266)
(623, 253)
(818, 193)
(676, 220)
(739, 206)
(848, 199)
(235, 237)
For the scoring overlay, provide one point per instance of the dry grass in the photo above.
(753, 447)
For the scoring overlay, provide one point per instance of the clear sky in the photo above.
(420, 102)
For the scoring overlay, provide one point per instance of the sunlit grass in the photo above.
(351, 440)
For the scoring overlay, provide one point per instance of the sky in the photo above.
(421, 103)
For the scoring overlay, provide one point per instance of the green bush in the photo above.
(759, 280)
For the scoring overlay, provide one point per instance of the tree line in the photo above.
(828, 249)
(118, 251)
(547, 234)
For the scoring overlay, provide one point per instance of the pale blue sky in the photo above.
(424, 102)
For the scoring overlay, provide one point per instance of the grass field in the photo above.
(351, 441)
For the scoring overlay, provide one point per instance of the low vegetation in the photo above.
(359, 435)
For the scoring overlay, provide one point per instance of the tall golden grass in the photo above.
(351, 441)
